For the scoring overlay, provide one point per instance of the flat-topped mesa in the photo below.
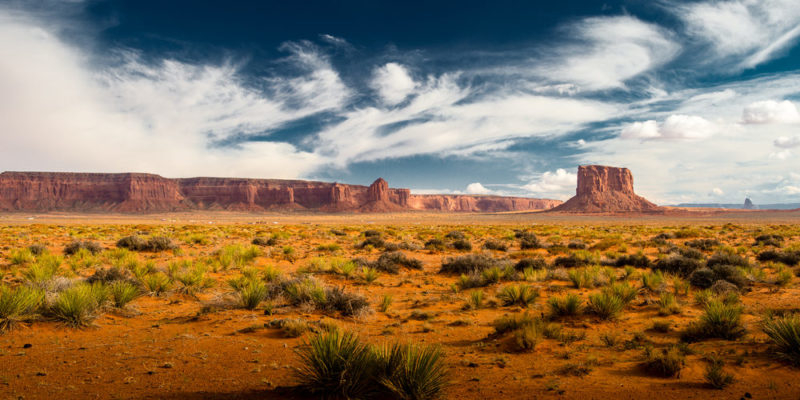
(148, 193)
(603, 189)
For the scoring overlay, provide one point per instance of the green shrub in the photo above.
(475, 300)
(156, 283)
(492, 244)
(412, 372)
(716, 376)
(527, 337)
(634, 260)
(122, 293)
(294, 328)
(666, 363)
(605, 305)
(509, 323)
(251, 292)
(21, 257)
(470, 263)
(522, 295)
(784, 333)
(78, 305)
(78, 245)
(719, 321)
(667, 305)
(462, 245)
(17, 305)
(623, 291)
(391, 262)
(386, 302)
(337, 364)
(583, 277)
(369, 274)
(536, 263)
(790, 258)
(678, 265)
(568, 305)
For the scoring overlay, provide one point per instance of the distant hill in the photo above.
(778, 206)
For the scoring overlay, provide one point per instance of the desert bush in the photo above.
(371, 233)
(716, 376)
(18, 305)
(236, 256)
(574, 260)
(530, 262)
(719, 321)
(666, 363)
(702, 278)
(522, 295)
(527, 337)
(264, 242)
(727, 258)
(703, 244)
(528, 240)
(605, 305)
(730, 273)
(635, 260)
(392, 262)
(678, 265)
(193, 280)
(653, 281)
(509, 323)
(583, 277)
(790, 258)
(493, 244)
(293, 328)
(330, 247)
(122, 293)
(347, 303)
(784, 333)
(77, 245)
(435, 244)
(21, 257)
(369, 274)
(568, 305)
(133, 242)
(77, 306)
(39, 273)
(456, 235)
(470, 263)
(769, 240)
(576, 244)
(690, 252)
(109, 275)
(462, 245)
(38, 249)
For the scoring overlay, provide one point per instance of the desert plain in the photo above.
(515, 304)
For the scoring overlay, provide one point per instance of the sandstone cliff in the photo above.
(604, 189)
(136, 193)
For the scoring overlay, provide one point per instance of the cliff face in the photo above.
(605, 189)
(133, 193)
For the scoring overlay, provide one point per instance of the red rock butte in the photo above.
(147, 193)
(603, 189)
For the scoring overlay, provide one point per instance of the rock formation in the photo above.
(748, 204)
(604, 189)
(135, 193)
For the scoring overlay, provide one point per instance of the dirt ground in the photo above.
(203, 346)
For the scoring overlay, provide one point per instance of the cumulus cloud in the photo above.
(716, 192)
(785, 142)
(744, 33)
(477, 188)
(560, 184)
(608, 52)
(675, 127)
(770, 111)
(393, 83)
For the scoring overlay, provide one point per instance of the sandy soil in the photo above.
(173, 347)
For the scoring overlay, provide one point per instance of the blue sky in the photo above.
(699, 99)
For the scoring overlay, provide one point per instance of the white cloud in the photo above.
(560, 184)
(785, 142)
(477, 188)
(609, 51)
(675, 127)
(393, 83)
(745, 33)
(716, 192)
(781, 155)
(69, 114)
(770, 111)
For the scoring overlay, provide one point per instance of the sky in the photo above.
(700, 99)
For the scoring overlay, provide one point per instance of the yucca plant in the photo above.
(369, 274)
(522, 295)
(653, 281)
(716, 376)
(412, 372)
(624, 291)
(251, 293)
(568, 305)
(21, 257)
(720, 320)
(17, 305)
(386, 302)
(156, 283)
(583, 277)
(122, 293)
(39, 274)
(605, 305)
(337, 364)
(666, 363)
(527, 337)
(475, 300)
(78, 305)
(193, 280)
(667, 305)
(784, 332)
